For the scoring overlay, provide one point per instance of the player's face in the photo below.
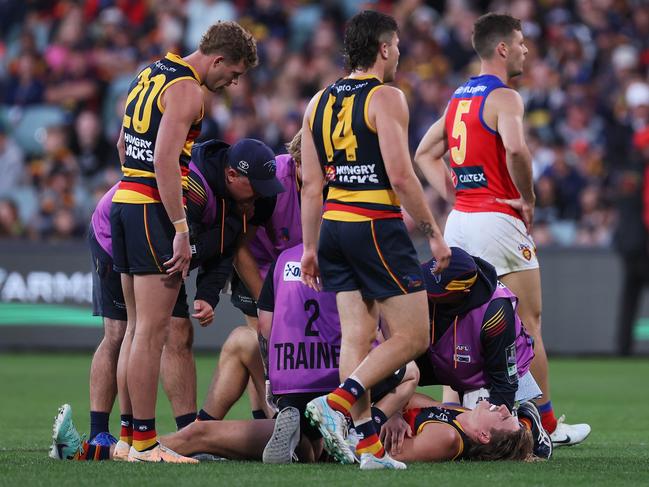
(240, 188)
(393, 59)
(516, 54)
(223, 74)
(492, 418)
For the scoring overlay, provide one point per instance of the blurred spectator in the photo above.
(93, 151)
(10, 224)
(11, 163)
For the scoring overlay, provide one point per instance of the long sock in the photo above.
(144, 434)
(204, 416)
(525, 422)
(379, 418)
(258, 414)
(346, 395)
(548, 419)
(185, 419)
(92, 452)
(126, 431)
(98, 423)
(370, 442)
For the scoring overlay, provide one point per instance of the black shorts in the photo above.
(142, 237)
(241, 297)
(376, 257)
(300, 400)
(107, 295)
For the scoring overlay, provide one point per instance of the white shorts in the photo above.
(528, 389)
(496, 237)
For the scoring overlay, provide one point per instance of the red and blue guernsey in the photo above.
(304, 344)
(284, 229)
(478, 158)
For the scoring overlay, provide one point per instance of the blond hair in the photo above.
(231, 41)
(294, 147)
(513, 445)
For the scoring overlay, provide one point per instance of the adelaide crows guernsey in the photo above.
(142, 116)
(478, 158)
(418, 418)
(348, 150)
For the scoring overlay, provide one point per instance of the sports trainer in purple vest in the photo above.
(477, 339)
(280, 228)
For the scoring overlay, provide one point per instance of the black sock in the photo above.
(98, 423)
(204, 416)
(379, 418)
(258, 414)
(185, 419)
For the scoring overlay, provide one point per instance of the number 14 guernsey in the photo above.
(478, 158)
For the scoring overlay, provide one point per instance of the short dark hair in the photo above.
(490, 29)
(511, 445)
(364, 34)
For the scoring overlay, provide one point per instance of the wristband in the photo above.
(181, 226)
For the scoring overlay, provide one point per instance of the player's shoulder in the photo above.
(506, 98)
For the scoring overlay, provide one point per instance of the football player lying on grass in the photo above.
(439, 433)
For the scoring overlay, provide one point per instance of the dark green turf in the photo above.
(612, 395)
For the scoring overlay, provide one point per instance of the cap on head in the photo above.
(458, 277)
(256, 161)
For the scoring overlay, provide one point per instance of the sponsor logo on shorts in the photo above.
(412, 281)
(470, 177)
(525, 251)
(292, 271)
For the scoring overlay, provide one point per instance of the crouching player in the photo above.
(478, 345)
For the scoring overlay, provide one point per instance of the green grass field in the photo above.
(612, 395)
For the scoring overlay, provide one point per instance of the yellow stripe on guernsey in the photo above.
(367, 107)
(378, 196)
(128, 196)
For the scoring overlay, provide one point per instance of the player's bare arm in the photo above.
(388, 111)
(428, 158)
(121, 147)
(183, 103)
(509, 108)
(435, 443)
(311, 194)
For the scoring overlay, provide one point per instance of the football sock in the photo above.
(204, 416)
(126, 431)
(527, 424)
(92, 452)
(144, 434)
(370, 442)
(258, 414)
(98, 423)
(548, 419)
(185, 419)
(379, 418)
(346, 395)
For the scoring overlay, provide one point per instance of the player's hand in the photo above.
(525, 209)
(310, 272)
(393, 432)
(182, 256)
(204, 312)
(441, 252)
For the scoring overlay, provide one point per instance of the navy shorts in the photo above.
(376, 257)
(142, 236)
(107, 295)
(241, 297)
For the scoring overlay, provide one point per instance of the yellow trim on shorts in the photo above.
(385, 264)
(148, 239)
(344, 216)
(367, 107)
(130, 172)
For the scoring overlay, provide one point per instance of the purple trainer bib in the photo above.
(458, 356)
(100, 221)
(284, 230)
(304, 345)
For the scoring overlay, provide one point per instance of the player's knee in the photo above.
(114, 331)
(239, 342)
(181, 336)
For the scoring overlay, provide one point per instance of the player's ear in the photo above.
(502, 49)
(217, 60)
(484, 437)
(384, 50)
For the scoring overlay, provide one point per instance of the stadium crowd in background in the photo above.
(65, 68)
